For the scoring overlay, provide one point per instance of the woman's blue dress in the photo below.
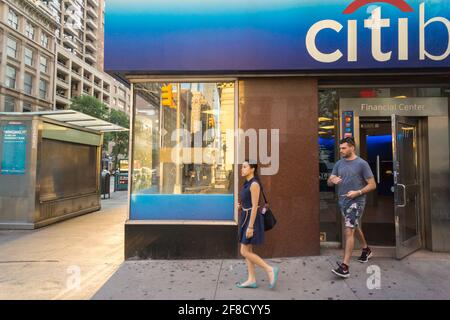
(258, 227)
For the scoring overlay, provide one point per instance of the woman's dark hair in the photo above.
(254, 165)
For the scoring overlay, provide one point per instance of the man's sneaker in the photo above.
(341, 271)
(366, 254)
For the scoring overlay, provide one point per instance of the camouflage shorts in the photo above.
(352, 214)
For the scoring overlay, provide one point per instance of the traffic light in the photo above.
(211, 122)
(167, 96)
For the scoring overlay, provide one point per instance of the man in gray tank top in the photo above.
(354, 179)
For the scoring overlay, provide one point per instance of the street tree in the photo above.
(92, 106)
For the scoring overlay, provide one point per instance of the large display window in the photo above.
(183, 151)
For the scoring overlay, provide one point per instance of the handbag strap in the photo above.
(264, 195)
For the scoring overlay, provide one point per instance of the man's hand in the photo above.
(335, 180)
(249, 233)
(353, 194)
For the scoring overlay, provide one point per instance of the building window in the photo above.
(27, 107)
(10, 104)
(11, 74)
(43, 85)
(122, 93)
(43, 64)
(11, 48)
(29, 30)
(198, 170)
(44, 40)
(28, 57)
(13, 19)
(28, 83)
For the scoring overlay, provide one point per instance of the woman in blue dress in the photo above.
(251, 227)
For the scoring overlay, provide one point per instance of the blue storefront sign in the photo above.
(275, 35)
(14, 149)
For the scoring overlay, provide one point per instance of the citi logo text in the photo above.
(376, 23)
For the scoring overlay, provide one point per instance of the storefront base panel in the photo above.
(170, 241)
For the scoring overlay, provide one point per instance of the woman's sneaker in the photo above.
(342, 270)
(366, 254)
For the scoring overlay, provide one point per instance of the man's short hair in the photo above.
(348, 140)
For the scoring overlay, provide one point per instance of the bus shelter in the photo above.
(49, 166)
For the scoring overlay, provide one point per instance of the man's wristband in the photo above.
(360, 192)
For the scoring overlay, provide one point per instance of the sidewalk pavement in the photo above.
(423, 275)
(45, 263)
(50, 262)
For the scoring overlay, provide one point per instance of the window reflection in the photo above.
(181, 144)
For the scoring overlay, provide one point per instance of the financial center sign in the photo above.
(276, 35)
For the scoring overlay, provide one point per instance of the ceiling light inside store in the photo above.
(322, 119)
(327, 127)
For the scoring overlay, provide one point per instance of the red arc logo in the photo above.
(355, 5)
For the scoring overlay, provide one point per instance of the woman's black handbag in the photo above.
(269, 218)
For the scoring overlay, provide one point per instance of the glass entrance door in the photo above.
(406, 185)
(375, 147)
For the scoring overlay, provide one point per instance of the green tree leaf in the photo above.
(92, 106)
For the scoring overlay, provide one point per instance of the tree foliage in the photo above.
(92, 106)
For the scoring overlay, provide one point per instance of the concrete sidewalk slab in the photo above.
(47, 263)
(195, 279)
(423, 275)
(300, 278)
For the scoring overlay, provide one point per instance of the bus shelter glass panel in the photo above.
(183, 151)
